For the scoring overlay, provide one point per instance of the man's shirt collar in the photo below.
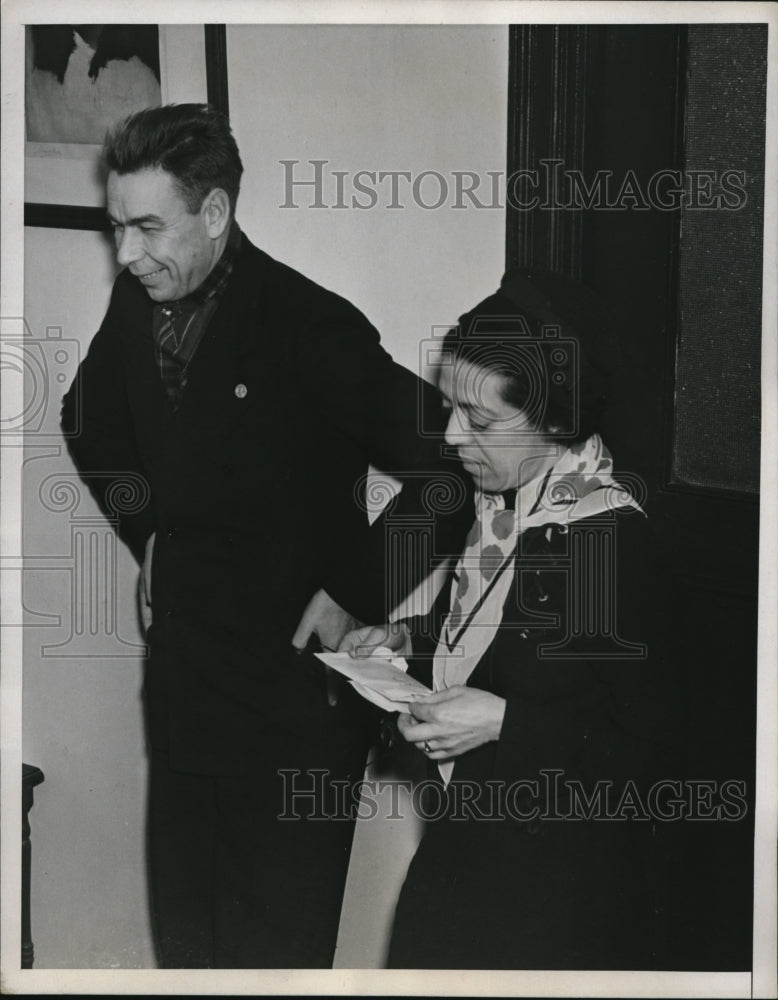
(216, 280)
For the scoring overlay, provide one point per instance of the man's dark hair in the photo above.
(549, 337)
(191, 142)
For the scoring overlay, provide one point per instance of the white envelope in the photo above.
(380, 679)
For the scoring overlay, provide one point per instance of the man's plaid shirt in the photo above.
(178, 327)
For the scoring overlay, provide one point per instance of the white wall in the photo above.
(81, 695)
(377, 98)
(363, 98)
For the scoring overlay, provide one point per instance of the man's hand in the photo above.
(325, 619)
(450, 722)
(392, 638)
(329, 622)
(144, 585)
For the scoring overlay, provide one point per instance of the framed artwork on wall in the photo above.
(80, 79)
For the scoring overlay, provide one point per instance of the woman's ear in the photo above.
(216, 212)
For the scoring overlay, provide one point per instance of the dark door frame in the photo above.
(593, 97)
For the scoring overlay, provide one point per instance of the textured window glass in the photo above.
(717, 403)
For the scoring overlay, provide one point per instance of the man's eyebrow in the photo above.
(139, 221)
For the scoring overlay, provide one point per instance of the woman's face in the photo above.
(494, 440)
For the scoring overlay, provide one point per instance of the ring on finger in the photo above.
(427, 747)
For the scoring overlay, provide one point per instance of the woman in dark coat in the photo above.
(552, 729)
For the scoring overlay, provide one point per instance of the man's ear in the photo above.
(216, 212)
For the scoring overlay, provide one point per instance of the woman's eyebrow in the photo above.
(478, 408)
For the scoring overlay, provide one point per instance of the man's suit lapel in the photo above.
(146, 392)
(216, 379)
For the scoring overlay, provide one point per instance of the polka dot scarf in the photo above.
(578, 484)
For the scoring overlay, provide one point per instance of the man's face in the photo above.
(494, 440)
(167, 247)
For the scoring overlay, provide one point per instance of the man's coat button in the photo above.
(241, 390)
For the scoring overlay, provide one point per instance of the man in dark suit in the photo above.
(244, 402)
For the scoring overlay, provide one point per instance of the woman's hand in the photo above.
(391, 639)
(450, 722)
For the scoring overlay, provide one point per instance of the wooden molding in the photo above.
(216, 67)
(546, 118)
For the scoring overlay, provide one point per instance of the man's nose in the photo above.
(129, 246)
(457, 428)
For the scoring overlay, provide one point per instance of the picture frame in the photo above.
(51, 168)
